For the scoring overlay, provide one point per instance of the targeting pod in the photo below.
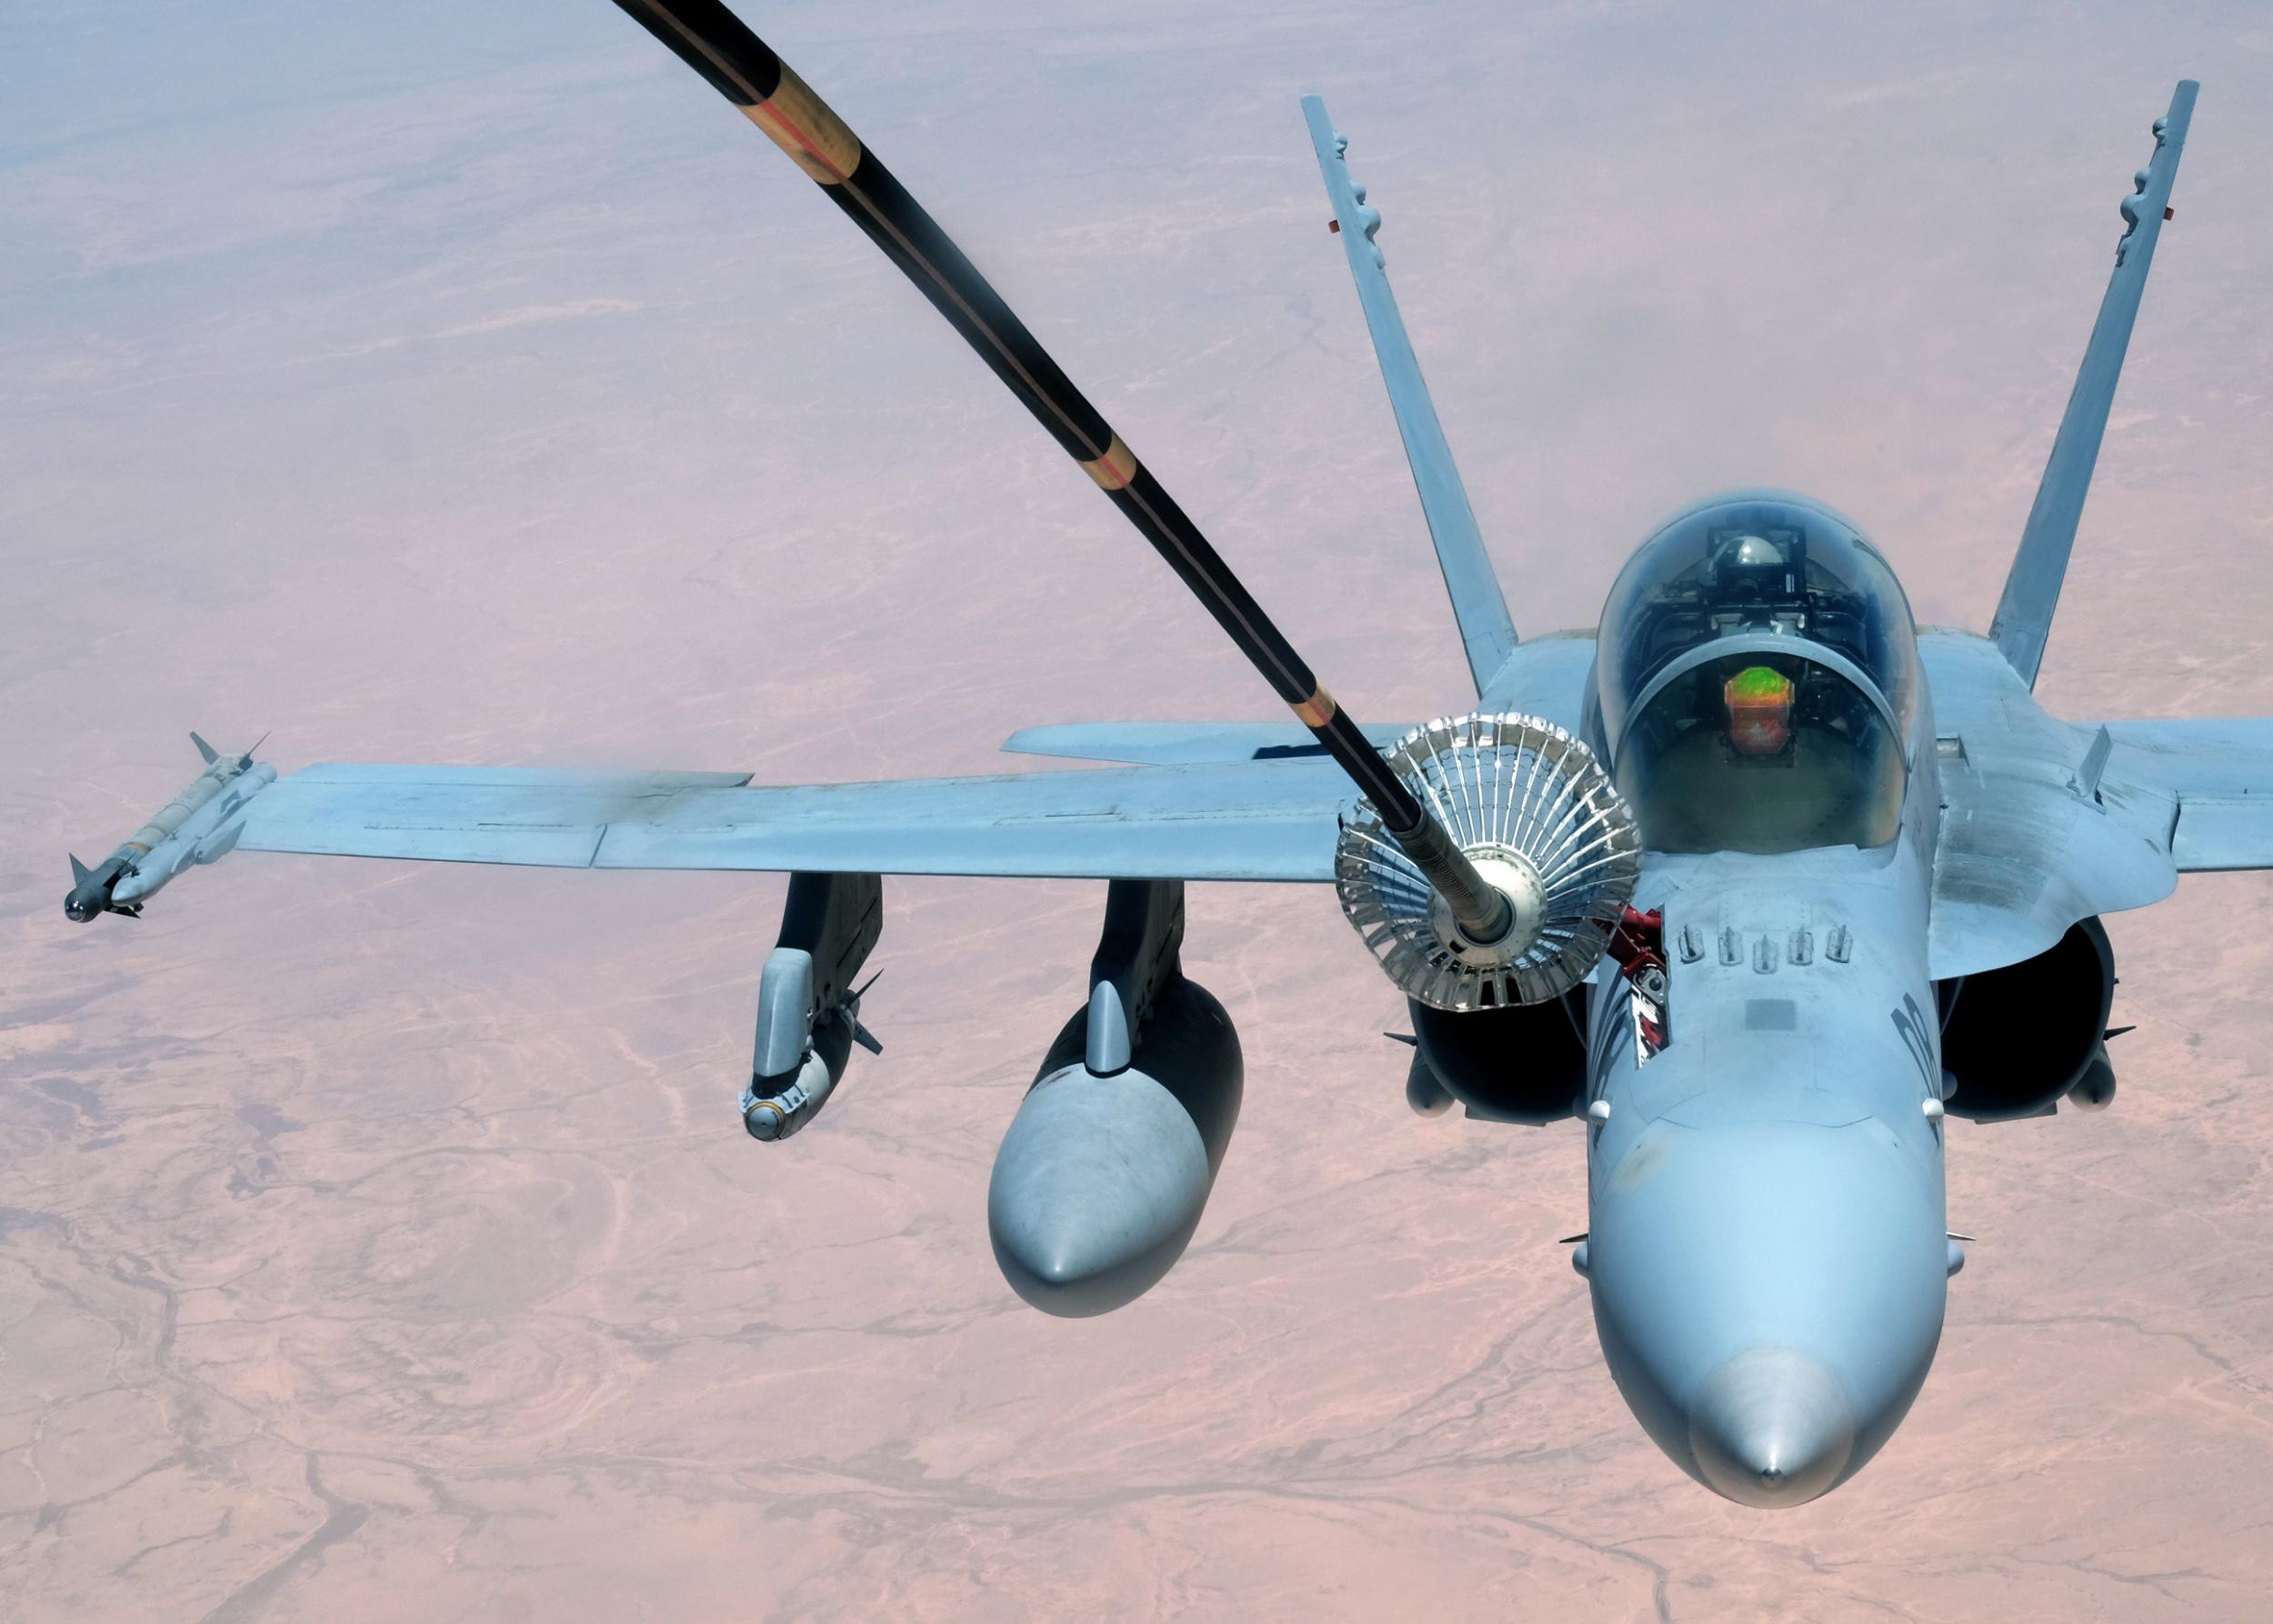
(808, 1011)
(198, 825)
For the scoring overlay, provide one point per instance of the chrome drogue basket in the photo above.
(1539, 819)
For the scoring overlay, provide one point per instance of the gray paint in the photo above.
(808, 1010)
(2024, 851)
(1766, 1239)
(1107, 1165)
(1183, 744)
(1259, 821)
(197, 826)
(1486, 633)
(2024, 614)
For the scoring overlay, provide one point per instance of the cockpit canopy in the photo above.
(1758, 670)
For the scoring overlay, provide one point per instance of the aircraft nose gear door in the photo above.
(808, 1011)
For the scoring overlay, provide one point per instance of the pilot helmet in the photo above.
(1748, 567)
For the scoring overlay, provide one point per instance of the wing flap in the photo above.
(2221, 834)
(2218, 772)
(1238, 821)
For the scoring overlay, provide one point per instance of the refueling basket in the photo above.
(1539, 819)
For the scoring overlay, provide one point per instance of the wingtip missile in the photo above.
(200, 825)
(90, 892)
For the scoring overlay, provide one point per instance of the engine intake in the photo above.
(1525, 1064)
(2015, 1039)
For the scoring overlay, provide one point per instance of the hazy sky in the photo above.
(469, 384)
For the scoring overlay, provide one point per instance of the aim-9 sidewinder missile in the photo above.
(197, 826)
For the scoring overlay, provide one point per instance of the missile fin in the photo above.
(79, 871)
(205, 749)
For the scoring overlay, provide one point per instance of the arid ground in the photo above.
(434, 382)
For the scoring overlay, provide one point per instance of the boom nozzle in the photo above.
(1509, 897)
(1478, 907)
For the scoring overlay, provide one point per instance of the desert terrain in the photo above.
(428, 382)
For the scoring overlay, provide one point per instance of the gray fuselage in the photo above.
(1767, 1246)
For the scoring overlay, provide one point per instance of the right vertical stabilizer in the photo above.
(2032, 591)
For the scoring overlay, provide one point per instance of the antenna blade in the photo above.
(2032, 591)
(1478, 605)
(740, 66)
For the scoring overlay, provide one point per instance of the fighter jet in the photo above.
(1758, 883)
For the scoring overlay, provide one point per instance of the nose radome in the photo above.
(1771, 1428)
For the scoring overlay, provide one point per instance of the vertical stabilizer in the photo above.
(2032, 591)
(1487, 632)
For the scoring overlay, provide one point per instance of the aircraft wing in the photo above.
(2044, 822)
(1274, 820)
(1181, 744)
(2032, 590)
(2034, 836)
(1546, 678)
(2217, 775)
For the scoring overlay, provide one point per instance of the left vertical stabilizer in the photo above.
(1487, 632)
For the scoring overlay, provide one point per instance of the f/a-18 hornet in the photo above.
(1759, 881)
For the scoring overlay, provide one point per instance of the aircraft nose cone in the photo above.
(1769, 1297)
(1771, 1428)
